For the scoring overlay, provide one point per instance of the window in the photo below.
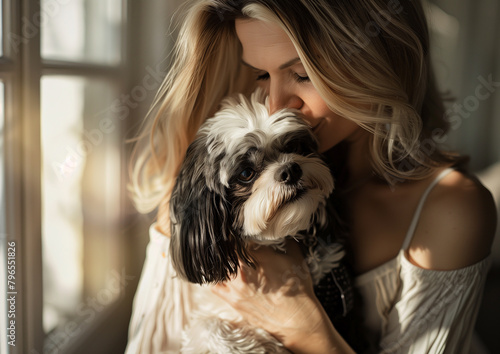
(76, 79)
(62, 174)
(81, 183)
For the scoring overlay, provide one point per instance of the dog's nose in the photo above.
(289, 173)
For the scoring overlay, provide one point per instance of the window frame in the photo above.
(20, 66)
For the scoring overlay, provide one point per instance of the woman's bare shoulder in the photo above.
(457, 225)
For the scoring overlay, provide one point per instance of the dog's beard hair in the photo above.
(271, 211)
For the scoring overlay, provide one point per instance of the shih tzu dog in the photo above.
(248, 178)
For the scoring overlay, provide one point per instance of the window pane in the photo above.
(81, 30)
(80, 202)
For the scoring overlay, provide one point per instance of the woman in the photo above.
(420, 229)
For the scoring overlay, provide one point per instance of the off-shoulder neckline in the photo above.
(401, 261)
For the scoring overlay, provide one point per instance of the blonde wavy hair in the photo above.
(368, 59)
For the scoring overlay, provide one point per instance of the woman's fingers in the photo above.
(276, 274)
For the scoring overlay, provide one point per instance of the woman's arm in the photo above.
(278, 296)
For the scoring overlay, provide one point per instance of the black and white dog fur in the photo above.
(249, 177)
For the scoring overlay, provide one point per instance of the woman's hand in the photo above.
(278, 296)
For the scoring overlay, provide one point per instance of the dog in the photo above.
(248, 178)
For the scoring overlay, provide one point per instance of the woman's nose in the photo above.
(279, 98)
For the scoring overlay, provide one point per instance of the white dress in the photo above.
(162, 302)
(407, 309)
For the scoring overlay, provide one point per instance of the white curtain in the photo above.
(466, 53)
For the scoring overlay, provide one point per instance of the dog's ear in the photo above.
(203, 247)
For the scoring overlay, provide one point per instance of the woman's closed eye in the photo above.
(301, 78)
(297, 77)
(263, 77)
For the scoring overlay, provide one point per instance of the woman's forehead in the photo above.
(265, 45)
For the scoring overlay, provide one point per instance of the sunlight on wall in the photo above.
(80, 196)
(62, 125)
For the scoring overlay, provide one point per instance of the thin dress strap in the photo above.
(416, 216)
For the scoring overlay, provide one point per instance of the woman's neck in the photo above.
(350, 161)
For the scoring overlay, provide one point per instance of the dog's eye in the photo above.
(246, 175)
